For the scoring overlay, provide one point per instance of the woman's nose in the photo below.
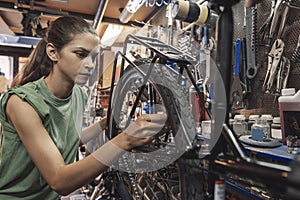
(89, 64)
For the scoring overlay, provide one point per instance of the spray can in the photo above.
(197, 107)
(219, 190)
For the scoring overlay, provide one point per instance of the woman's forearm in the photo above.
(70, 177)
(92, 131)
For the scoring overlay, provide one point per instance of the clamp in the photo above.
(274, 59)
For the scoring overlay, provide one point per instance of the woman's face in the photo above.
(77, 59)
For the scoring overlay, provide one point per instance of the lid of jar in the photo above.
(253, 117)
(288, 91)
(241, 117)
(276, 120)
(267, 117)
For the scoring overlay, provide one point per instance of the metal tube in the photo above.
(99, 13)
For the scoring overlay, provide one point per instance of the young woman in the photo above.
(41, 117)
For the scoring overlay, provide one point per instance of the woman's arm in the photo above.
(45, 155)
(92, 131)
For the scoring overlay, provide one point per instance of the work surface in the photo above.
(277, 153)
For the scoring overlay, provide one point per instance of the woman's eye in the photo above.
(81, 54)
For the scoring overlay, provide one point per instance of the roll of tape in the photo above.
(203, 16)
(193, 12)
(190, 12)
(180, 10)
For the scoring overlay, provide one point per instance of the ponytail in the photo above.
(39, 65)
(60, 32)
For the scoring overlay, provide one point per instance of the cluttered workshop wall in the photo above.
(273, 29)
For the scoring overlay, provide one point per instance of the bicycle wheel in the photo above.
(167, 92)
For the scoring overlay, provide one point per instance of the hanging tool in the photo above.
(207, 45)
(280, 12)
(251, 41)
(236, 87)
(274, 59)
(265, 28)
(244, 79)
(282, 75)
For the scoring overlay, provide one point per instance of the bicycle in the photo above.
(172, 181)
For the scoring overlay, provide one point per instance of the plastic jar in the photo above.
(269, 120)
(251, 120)
(276, 129)
(289, 109)
(231, 123)
(239, 125)
(260, 130)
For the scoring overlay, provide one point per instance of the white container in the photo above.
(289, 109)
(269, 120)
(276, 129)
(251, 120)
(260, 130)
(240, 126)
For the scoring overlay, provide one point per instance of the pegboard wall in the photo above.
(258, 101)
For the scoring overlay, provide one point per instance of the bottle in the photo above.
(240, 125)
(289, 110)
(251, 120)
(259, 130)
(268, 119)
(197, 107)
(276, 129)
(231, 123)
(220, 189)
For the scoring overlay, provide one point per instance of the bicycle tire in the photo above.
(164, 78)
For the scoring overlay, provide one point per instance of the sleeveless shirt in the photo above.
(62, 118)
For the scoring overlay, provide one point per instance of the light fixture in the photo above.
(111, 34)
(131, 7)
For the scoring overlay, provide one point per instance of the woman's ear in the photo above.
(51, 52)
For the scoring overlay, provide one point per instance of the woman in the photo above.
(42, 115)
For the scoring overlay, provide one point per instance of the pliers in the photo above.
(274, 59)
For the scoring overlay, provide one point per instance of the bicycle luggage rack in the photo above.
(158, 50)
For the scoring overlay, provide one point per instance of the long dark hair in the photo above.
(59, 33)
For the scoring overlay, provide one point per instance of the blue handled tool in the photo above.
(236, 97)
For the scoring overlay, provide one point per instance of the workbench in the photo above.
(272, 155)
(276, 154)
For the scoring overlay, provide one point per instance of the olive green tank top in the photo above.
(62, 118)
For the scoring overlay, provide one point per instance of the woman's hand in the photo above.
(102, 123)
(141, 132)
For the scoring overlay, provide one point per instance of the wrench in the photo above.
(251, 14)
